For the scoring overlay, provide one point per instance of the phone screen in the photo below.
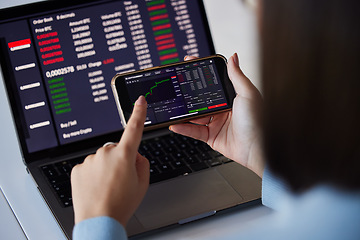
(175, 92)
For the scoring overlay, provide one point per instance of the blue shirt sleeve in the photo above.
(99, 228)
(274, 190)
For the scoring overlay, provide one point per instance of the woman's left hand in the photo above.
(113, 181)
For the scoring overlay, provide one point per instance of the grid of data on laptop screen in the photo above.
(63, 61)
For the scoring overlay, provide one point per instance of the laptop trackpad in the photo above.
(167, 203)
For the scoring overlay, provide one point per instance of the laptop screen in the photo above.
(58, 60)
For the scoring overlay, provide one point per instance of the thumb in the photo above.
(242, 84)
(187, 58)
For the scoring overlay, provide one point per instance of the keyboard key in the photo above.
(183, 138)
(192, 151)
(199, 166)
(50, 172)
(178, 155)
(153, 171)
(192, 160)
(157, 145)
(169, 149)
(59, 179)
(65, 169)
(166, 158)
(165, 167)
(169, 175)
(153, 162)
(224, 159)
(214, 162)
(178, 164)
(146, 147)
(183, 146)
(170, 139)
(157, 153)
(204, 156)
(172, 142)
(195, 142)
(63, 187)
(67, 202)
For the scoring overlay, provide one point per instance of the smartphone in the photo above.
(176, 92)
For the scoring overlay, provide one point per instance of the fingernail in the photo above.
(141, 100)
(236, 59)
(186, 57)
(170, 128)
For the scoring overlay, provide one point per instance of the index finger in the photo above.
(131, 137)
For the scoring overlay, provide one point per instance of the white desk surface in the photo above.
(233, 29)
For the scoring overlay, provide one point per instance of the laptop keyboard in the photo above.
(170, 156)
(58, 175)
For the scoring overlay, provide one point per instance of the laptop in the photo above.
(58, 58)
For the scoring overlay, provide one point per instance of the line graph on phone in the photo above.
(155, 90)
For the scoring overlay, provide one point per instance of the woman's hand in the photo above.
(113, 181)
(234, 134)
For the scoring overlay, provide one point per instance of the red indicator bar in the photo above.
(158, 17)
(161, 27)
(166, 46)
(107, 61)
(173, 55)
(218, 105)
(157, 7)
(164, 42)
(50, 48)
(161, 37)
(55, 60)
(19, 43)
(47, 35)
(52, 54)
(46, 42)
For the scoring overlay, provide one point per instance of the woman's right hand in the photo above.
(235, 133)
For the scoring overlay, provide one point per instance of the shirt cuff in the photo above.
(99, 228)
(274, 190)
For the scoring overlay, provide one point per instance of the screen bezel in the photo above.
(75, 148)
(124, 103)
